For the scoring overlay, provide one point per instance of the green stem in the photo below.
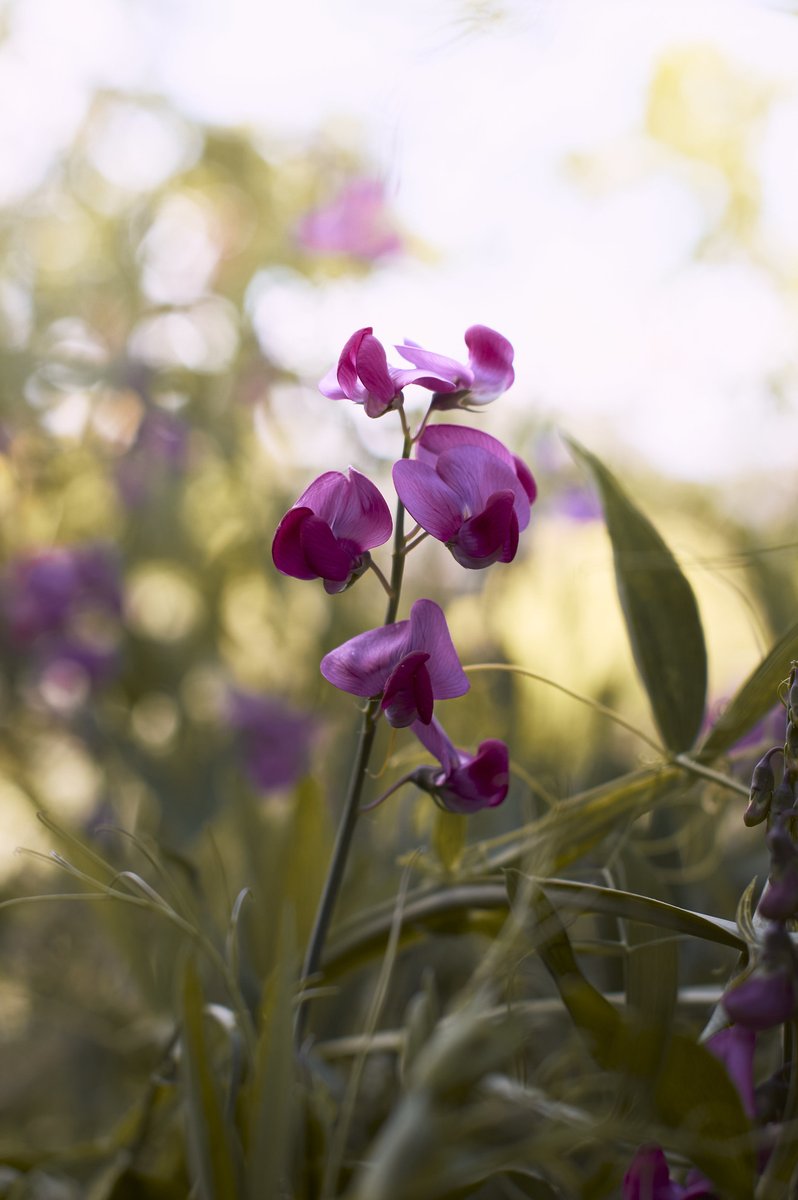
(351, 809)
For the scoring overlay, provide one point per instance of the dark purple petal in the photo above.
(649, 1177)
(525, 478)
(408, 692)
(430, 633)
(490, 357)
(434, 738)
(475, 475)
(734, 1047)
(763, 1000)
(489, 537)
(362, 665)
(481, 782)
(430, 501)
(322, 551)
(288, 555)
(438, 438)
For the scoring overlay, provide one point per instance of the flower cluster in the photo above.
(464, 488)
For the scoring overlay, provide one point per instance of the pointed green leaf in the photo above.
(209, 1135)
(661, 613)
(755, 698)
(690, 1090)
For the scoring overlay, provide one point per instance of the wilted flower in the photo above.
(356, 222)
(328, 532)
(275, 740)
(467, 782)
(489, 372)
(410, 664)
(363, 375)
(467, 490)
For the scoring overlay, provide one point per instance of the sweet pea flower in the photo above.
(363, 375)
(355, 222)
(779, 900)
(649, 1178)
(734, 1046)
(467, 490)
(769, 995)
(329, 531)
(489, 372)
(275, 741)
(410, 664)
(467, 782)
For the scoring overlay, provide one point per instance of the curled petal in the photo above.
(287, 552)
(491, 536)
(408, 692)
(476, 476)
(353, 508)
(482, 782)
(347, 372)
(491, 360)
(372, 369)
(436, 371)
(323, 553)
(434, 738)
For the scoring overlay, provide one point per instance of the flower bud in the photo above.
(779, 901)
(768, 995)
(763, 782)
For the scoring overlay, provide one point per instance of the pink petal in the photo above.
(491, 359)
(362, 665)
(430, 633)
(322, 552)
(287, 553)
(372, 368)
(475, 475)
(408, 692)
(434, 738)
(450, 374)
(437, 438)
(430, 501)
(365, 517)
(347, 365)
(489, 537)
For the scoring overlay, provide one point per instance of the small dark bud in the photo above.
(792, 736)
(770, 1096)
(779, 901)
(783, 798)
(763, 781)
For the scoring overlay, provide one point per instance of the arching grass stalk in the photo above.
(351, 808)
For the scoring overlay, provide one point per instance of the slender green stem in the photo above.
(726, 781)
(386, 585)
(412, 545)
(351, 809)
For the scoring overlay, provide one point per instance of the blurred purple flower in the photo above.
(362, 374)
(355, 222)
(489, 372)
(779, 901)
(159, 452)
(734, 1047)
(328, 532)
(467, 782)
(410, 664)
(44, 592)
(768, 996)
(467, 490)
(578, 504)
(649, 1178)
(275, 740)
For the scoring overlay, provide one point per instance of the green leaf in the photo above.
(272, 1103)
(689, 1089)
(661, 613)
(755, 698)
(209, 1135)
(449, 832)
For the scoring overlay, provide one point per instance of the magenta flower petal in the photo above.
(442, 374)
(287, 552)
(491, 360)
(435, 739)
(408, 692)
(347, 365)
(734, 1047)
(372, 370)
(763, 1000)
(353, 508)
(489, 537)
(429, 632)
(476, 475)
(430, 501)
(322, 551)
(649, 1177)
(467, 783)
(525, 478)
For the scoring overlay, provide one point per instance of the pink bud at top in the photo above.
(326, 534)
(355, 222)
(410, 664)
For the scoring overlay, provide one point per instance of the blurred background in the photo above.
(200, 203)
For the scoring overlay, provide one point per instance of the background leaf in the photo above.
(661, 613)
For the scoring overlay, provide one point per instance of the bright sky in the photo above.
(471, 121)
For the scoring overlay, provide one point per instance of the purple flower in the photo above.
(363, 375)
(329, 531)
(734, 1047)
(410, 664)
(159, 452)
(467, 490)
(275, 741)
(355, 222)
(489, 372)
(467, 782)
(44, 592)
(768, 996)
(649, 1178)
(779, 900)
